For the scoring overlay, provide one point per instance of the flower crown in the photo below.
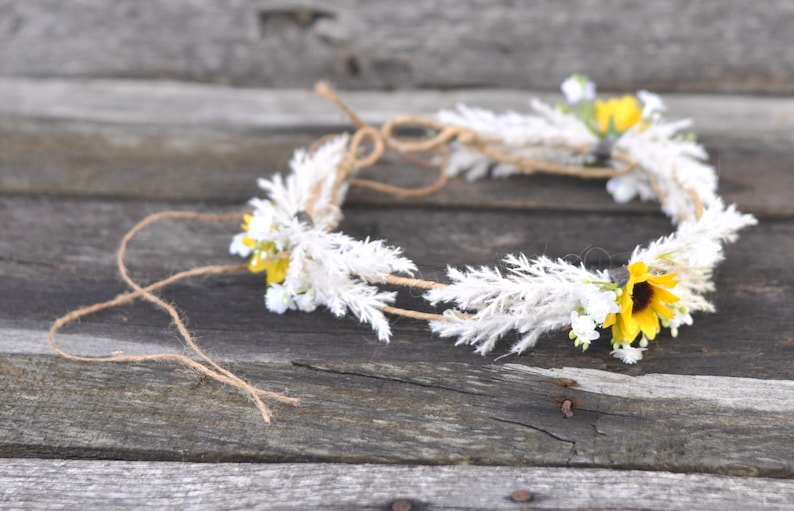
(290, 236)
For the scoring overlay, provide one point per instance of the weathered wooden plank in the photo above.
(204, 108)
(425, 413)
(747, 393)
(749, 335)
(417, 399)
(181, 141)
(113, 485)
(726, 46)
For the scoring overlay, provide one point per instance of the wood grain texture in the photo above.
(423, 413)
(418, 399)
(725, 46)
(57, 484)
(748, 336)
(206, 108)
(714, 406)
(180, 141)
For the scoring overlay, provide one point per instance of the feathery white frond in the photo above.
(676, 165)
(533, 297)
(339, 270)
(694, 250)
(311, 181)
(521, 135)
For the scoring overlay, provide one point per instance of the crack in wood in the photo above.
(599, 413)
(307, 365)
(30, 262)
(536, 428)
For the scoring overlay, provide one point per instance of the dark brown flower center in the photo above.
(641, 297)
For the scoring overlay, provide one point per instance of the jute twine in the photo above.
(367, 146)
(205, 365)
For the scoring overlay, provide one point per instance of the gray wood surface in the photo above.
(82, 161)
(752, 323)
(425, 413)
(416, 400)
(180, 141)
(114, 485)
(714, 45)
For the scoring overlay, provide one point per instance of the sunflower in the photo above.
(617, 115)
(643, 300)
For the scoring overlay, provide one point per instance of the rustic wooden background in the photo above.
(110, 111)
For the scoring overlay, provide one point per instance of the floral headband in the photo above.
(290, 235)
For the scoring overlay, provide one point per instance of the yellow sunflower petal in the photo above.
(663, 295)
(648, 322)
(617, 335)
(661, 309)
(666, 280)
(629, 327)
(638, 269)
(625, 300)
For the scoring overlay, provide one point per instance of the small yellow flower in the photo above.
(617, 115)
(276, 268)
(262, 256)
(643, 301)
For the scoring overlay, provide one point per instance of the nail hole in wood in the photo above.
(353, 67)
(303, 18)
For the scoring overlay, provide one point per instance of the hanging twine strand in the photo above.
(209, 367)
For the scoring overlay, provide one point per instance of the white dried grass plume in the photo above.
(338, 270)
(533, 297)
(694, 250)
(312, 180)
(519, 135)
(676, 164)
